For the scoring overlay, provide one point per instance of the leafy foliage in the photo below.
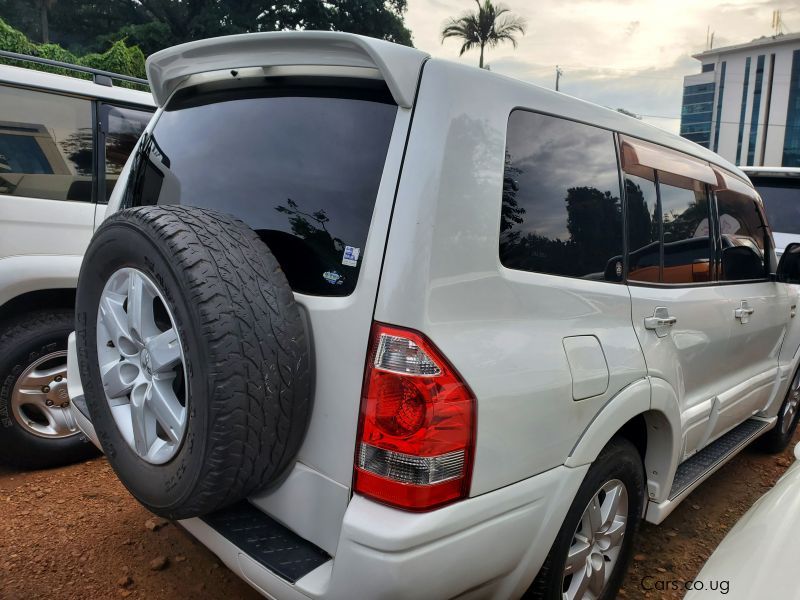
(91, 26)
(120, 58)
(492, 25)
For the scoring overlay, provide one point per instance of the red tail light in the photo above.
(415, 441)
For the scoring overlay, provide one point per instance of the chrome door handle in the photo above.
(660, 322)
(743, 312)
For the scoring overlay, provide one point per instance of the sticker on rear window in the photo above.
(350, 256)
(333, 277)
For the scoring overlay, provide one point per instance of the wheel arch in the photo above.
(25, 303)
(646, 413)
(29, 283)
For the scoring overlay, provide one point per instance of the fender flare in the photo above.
(657, 402)
(31, 273)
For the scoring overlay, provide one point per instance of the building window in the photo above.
(791, 144)
(751, 144)
(708, 68)
(698, 103)
(743, 111)
(719, 105)
(561, 208)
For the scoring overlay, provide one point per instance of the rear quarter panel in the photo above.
(502, 329)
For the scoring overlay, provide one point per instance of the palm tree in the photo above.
(490, 26)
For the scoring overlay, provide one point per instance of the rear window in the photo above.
(299, 163)
(782, 202)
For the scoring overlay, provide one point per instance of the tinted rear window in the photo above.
(782, 202)
(301, 165)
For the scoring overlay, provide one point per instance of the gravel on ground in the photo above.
(75, 532)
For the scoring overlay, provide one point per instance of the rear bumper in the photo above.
(488, 546)
(77, 405)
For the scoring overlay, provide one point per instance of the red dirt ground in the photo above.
(75, 532)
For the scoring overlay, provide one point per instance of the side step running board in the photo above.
(266, 541)
(713, 456)
(707, 461)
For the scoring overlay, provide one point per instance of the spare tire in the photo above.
(194, 357)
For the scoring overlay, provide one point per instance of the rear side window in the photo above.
(561, 209)
(743, 233)
(644, 254)
(46, 145)
(300, 164)
(687, 239)
(123, 126)
(660, 204)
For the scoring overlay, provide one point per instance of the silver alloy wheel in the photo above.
(791, 404)
(597, 543)
(39, 400)
(142, 365)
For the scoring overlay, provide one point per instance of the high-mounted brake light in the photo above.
(417, 422)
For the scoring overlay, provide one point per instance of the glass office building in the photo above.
(745, 102)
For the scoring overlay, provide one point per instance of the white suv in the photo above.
(63, 142)
(779, 188)
(376, 325)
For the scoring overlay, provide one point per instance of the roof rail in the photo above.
(99, 76)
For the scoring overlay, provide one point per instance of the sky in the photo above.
(630, 54)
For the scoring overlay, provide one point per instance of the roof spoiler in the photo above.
(399, 66)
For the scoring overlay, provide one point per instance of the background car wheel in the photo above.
(592, 551)
(194, 358)
(777, 438)
(36, 427)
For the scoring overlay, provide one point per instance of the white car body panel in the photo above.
(758, 557)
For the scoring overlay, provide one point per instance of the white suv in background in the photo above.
(377, 325)
(779, 188)
(63, 142)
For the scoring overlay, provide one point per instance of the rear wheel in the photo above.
(36, 426)
(777, 438)
(592, 551)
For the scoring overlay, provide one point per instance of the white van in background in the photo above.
(779, 188)
(63, 142)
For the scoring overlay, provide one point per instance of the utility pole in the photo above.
(559, 73)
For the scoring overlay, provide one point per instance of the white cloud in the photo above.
(631, 54)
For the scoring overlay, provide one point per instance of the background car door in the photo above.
(46, 165)
(759, 308)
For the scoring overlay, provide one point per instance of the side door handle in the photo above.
(660, 322)
(743, 312)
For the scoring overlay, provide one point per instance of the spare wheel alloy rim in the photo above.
(142, 365)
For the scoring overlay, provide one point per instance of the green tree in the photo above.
(119, 58)
(93, 25)
(490, 26)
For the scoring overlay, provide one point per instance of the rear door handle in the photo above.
(660, 322)
(743, 312)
